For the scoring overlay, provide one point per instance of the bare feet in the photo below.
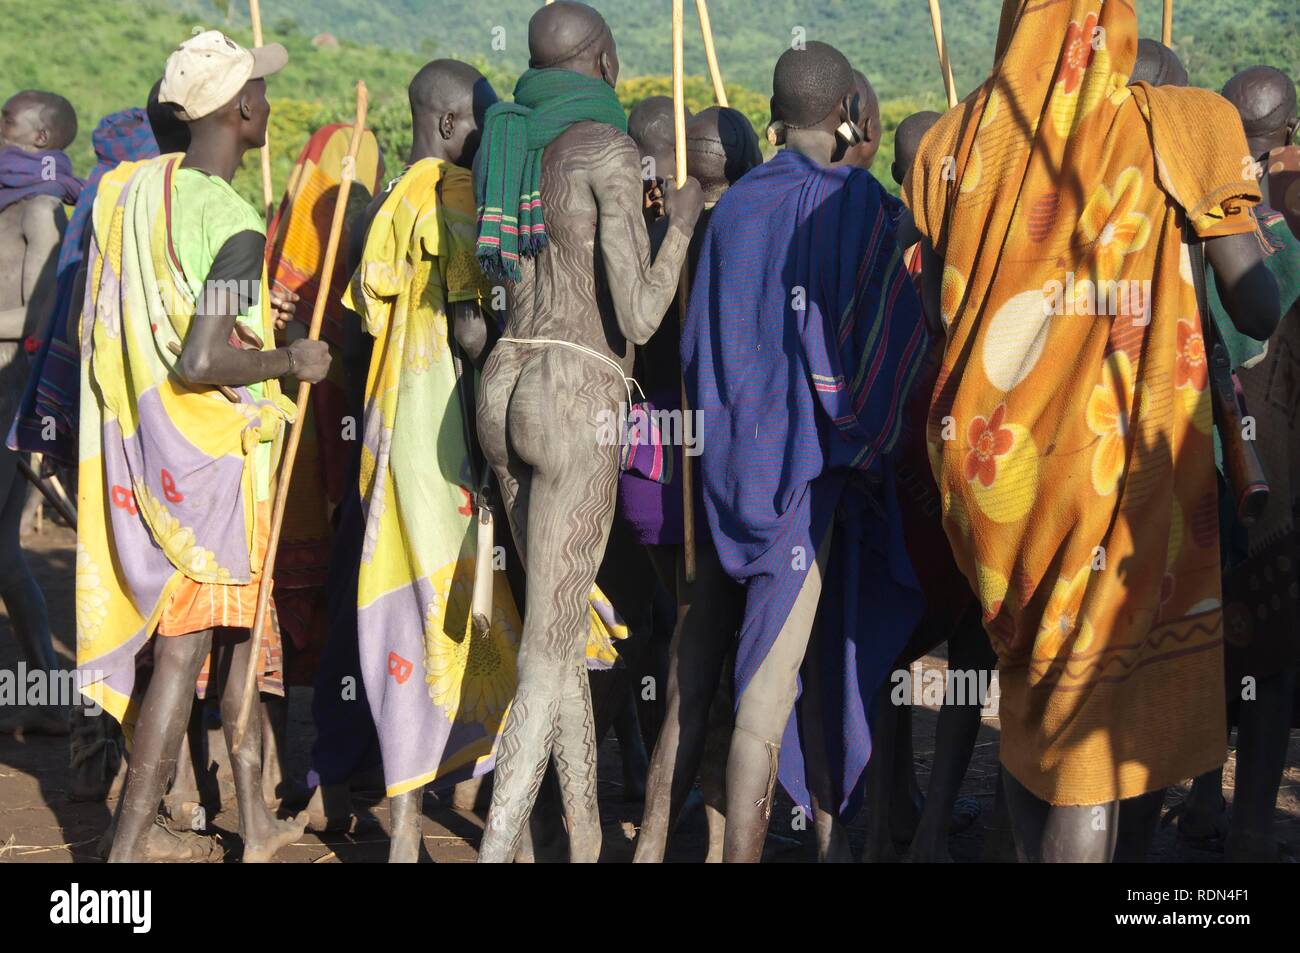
(264, 838)
(166, 846)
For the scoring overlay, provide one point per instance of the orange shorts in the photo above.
(197, 606)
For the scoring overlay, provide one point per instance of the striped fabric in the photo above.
(803, 339)
(508, 174)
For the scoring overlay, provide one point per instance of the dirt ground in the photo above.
(39, 824)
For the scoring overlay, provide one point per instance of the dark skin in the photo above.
(719, 151)
(867, 108)
(1263, 722)
(448, 105)
(597, 285)
(1258, 93)
(217, 146)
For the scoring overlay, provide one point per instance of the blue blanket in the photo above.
(803, 337)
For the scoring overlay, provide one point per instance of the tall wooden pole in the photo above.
(295, 431)
(706, 30)
(941, 46)
(1167, 31)
(684, 285)
(268, 191)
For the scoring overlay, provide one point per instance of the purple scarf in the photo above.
(24, 174)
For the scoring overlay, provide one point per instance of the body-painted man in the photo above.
(561, 199)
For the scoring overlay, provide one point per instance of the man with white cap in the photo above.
(182, 418)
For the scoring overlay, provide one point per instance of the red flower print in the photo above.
(1078, 53)
(988, 440)
(1192, 367)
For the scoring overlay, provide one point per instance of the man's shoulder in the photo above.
(215, 201)
(585, 134)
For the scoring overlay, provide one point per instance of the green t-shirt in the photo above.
(220, 238)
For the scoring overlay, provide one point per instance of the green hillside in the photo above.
(105, 55)
(890, 40)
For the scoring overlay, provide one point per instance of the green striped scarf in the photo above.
(509, 174)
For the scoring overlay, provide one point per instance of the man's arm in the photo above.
(931, 287)
(43, 223)
(1247, 288)
(207, 356)
(641, 289)
(476, 332)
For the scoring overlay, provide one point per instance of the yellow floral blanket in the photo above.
(1070, 427)
(439, 692)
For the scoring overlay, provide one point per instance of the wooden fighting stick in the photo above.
(706, 30)
(941, 46)
(684, 285)
(295, 432)
(1167, 30)
(52, 493)
(268, 194)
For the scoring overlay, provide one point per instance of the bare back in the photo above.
(595, 283)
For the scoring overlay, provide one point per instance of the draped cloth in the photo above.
(24, 174)
(170, 475)
(52, 386)
(509, 171)
(1070, 428)
(438, 691)
(295, 253)
(803, 338)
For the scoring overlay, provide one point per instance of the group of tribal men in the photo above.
(983, 415)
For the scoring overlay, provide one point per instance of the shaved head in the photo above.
(449, 100)
(650, 124)
(907, 141)
(573, 36)
(52, 120)
(808, 84)
(721, 146)
(1158, 65)
(442, 84)
(1266, 99)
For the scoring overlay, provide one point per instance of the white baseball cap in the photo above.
(209, 69)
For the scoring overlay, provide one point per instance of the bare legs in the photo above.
(1263, 732)
(761, 718)
(22, 596)
(407, 818)
(954, 741)
(164, 717)
(538, 419)
(1052, 834)
(707, 621)
(262, 834)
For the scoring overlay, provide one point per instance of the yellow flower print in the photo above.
(177, 542)
(426, 324)
(470, 675)
(952, 292)
(1109, 414)
(1112, 225)
(1062, 616)
(92, 599)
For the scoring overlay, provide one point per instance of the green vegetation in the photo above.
(104, 55)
